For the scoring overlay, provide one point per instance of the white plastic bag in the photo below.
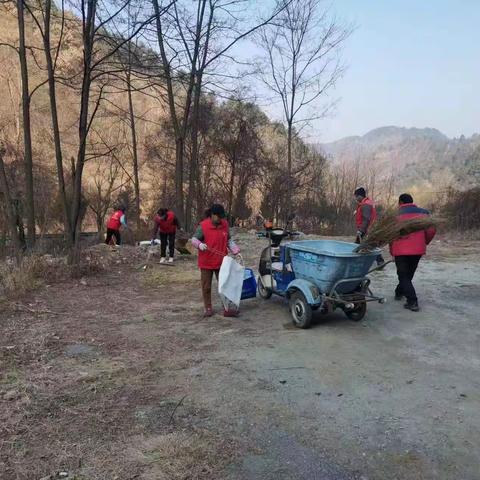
(230, 282)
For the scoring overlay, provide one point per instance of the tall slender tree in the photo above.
(302, 63)
(27, 131)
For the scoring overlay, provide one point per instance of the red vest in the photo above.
(216, 238)
(167, 225)
(114, 221)
(358, 214)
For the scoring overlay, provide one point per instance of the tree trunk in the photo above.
(289, 150)
(180, 128)
(194, 179)
(83, 125)
(289, 190)
(179, 139)
(232, 182)
(10, 211)
(134, 148)
(55, 124)
(27, 134)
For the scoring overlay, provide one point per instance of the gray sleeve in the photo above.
(199, 234)
(366, 216)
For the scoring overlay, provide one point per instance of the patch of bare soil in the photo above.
(88, 386)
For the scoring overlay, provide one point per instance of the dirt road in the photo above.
(122, 378)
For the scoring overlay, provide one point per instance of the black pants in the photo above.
(113, 233)
(164, 238)
(406, 267)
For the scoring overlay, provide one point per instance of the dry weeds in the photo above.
(164, 275)
(16, 281)
(389, 228)
(184, 455)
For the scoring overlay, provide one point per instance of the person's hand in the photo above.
(203, 247)
(235, 249)
(360, 234)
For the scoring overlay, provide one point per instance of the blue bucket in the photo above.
(249, 288)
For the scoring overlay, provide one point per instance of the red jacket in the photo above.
(359, 220)
(114, 222)
(216, 238)
(167, 225)
(415, 243)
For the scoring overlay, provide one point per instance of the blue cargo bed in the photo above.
(325, 262)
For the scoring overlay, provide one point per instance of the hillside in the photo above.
(412, 155)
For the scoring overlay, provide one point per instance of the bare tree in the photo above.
(96, 73)
(9, 208)
(191, 41)
(100, 194)
(302, 62)
(41, 12)
(27, 132)
(237, 140)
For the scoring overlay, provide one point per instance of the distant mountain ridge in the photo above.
(411, 154)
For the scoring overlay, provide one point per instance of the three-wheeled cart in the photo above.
(321, 275)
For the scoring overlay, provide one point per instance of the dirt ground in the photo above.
(117, 376)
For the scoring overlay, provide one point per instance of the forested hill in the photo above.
(413, 155)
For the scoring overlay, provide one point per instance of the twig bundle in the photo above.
(389, 228)
(181, 245)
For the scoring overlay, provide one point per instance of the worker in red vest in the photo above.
(408, 251)
(365, 216)
(113, 226)
(212, 239)
(166, 223)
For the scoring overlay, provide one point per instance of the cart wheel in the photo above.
(263, 291)
(357, 313)
(301, 311)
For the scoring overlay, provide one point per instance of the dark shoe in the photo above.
(208, 312)
(412, 306)
(230, 313)
(398, 297)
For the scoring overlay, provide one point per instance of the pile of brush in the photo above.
(181, 243)
(389, 228)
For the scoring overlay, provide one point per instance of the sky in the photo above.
(411, 63)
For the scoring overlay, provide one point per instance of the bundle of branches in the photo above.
(181, 245)
(389, 228)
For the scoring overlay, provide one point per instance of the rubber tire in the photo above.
(357, 313)
(300, 310)
(264, 292)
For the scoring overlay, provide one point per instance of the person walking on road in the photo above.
(166, 223)
(212, 239)
(116, 220)
(408, 251)
(365, 216)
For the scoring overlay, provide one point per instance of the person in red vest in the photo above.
(212, 239)
(166, 223)
(365, 216)
(113, 226)
(408, 251)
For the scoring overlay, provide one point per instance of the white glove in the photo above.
(203, 247)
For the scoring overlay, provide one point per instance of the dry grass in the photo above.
(37, 270)
(389, 228)
(91, 262)
(463, 235)
(184, 455)
(16, 281)
(166, 275)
